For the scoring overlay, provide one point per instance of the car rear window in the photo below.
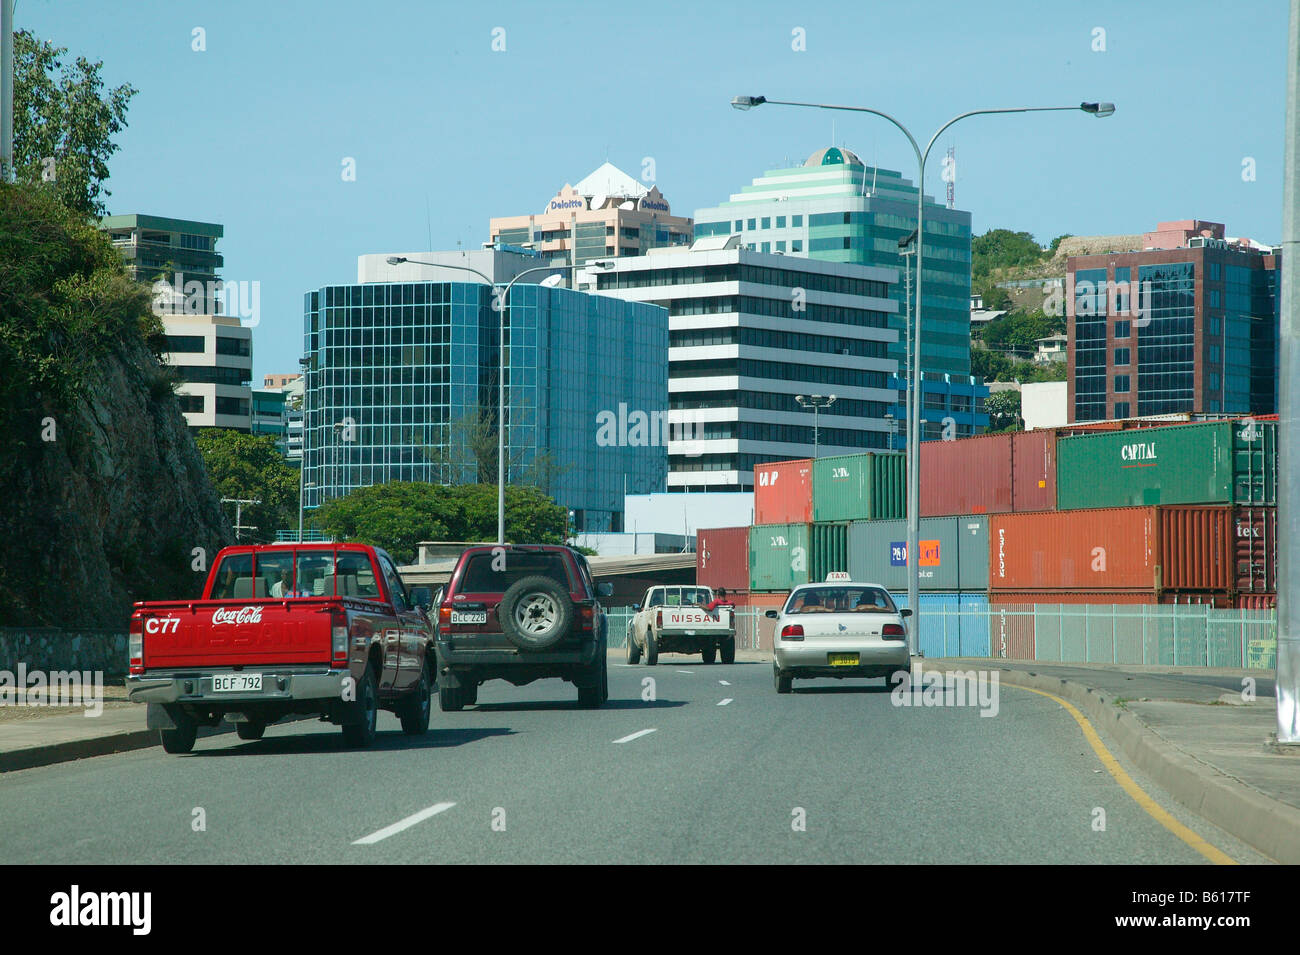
(295, 573)
(489, 573)
(842, 599)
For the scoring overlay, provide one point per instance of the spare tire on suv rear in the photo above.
(535, 613)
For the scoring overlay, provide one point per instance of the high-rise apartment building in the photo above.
(608, 214)
(835, 208)
(1187, 323)
(747, 333)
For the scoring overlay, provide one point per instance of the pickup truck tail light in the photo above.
(659, 619)
(135, 645)
(338, 639)
(792, 631)
(893, 631)
(588, 615)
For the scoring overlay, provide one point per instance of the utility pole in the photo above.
(239, 513)
(1288, 486)
(6, 90)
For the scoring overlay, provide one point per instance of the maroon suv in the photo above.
(521, 613)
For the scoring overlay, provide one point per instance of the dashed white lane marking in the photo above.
(725, 702)
(724, 683)
(686, 671)
(406, 823)
(637, 735)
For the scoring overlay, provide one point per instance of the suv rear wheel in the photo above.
(535, 613)
(593, 695)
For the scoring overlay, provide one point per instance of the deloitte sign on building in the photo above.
(605, 215)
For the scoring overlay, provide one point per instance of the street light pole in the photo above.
(815, 402)
(1287, 678)
(504, 304)
(914, 426)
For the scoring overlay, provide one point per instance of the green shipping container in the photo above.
(1223, 462)
(778, 556)
(829, 551)
(860, 487)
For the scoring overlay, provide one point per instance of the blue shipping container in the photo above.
(952, 625)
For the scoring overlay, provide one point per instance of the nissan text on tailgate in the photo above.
(521, 613)
(324, 629)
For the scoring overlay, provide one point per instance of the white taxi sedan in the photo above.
(838, 629)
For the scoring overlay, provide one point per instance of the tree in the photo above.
(469, 455)
(1056, 243)
(398, 515)
(1003, 409)
(250, 467)
(64, 123)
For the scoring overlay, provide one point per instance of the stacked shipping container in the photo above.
(1111, 512)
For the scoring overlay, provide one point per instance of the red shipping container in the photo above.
(970, 476)
(1033, 470)
(1255, 547)
(1112, 549)
(1255, 601)
(722, 558)
(783, 492)
(1029, 598)
(1011, 627)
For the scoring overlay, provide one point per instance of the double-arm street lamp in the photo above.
(816, 403)
(502, 304)
(914, 377)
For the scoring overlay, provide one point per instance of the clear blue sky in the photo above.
(251, 133)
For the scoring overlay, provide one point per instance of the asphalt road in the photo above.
(526, 777)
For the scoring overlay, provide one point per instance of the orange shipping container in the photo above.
(1153, 549)
(783, 492)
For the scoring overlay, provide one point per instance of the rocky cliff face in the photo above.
(112, 509)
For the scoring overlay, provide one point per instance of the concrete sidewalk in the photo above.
(1191, 732)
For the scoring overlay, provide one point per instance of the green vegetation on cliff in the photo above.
(105, 497)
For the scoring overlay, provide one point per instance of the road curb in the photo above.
(1270, 826)
(123, 742)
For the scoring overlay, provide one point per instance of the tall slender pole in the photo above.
(914, 423)
(6, 90)
(1288, 486)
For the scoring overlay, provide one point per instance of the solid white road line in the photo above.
(637, 735)
(406, 823)
(725, 702)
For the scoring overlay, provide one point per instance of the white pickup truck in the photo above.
(674, 620)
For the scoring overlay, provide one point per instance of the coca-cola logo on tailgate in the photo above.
(242, 615)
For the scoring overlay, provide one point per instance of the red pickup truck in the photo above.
(327, 629)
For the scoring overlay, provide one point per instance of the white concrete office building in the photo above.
(748, 332)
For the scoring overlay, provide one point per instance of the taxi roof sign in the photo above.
(838, 575)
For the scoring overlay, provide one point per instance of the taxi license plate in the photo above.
(237, 683)
(469, 616)
(842, 659)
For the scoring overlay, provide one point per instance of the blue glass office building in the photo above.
(400, 371)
